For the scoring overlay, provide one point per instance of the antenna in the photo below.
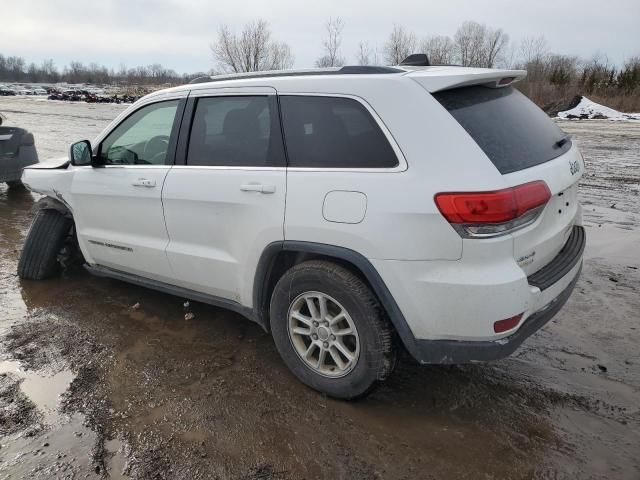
(416, 60)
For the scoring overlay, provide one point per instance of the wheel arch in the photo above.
(50, 203)
(278, 257)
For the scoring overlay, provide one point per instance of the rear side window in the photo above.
(333, 132)
(236, 132)
(513, 132)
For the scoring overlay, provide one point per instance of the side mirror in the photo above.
(80, 153)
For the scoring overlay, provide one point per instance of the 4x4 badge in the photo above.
(574, 167)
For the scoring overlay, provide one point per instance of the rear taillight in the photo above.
(487, 214)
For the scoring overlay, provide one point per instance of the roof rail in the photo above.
(200, 79)
(367, 69)
(346, 70)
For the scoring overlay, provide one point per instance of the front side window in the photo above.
(238, 131)
(143, 138)
(333, 132)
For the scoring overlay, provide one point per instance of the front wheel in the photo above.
(45, 240)
(330, 330)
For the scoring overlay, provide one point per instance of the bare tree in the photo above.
(533, 55)
(367, 55)
(533, 50)
(363, 57)
(478, 45)
(251, 51)
(440, 49)
(400, 45)
(494, 44)
(469, 39)
(331, 44)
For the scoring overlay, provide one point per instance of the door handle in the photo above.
(258, 187)
(144, 182)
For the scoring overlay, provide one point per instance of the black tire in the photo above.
(377, 355)
(47, 234)
(15, 184)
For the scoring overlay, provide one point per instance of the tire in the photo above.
(47, 234)
(346, 298)
(15, 184)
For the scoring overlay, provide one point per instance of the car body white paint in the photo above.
(199, 230)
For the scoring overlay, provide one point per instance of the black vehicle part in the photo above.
(416, 60)
(15, 184)
(562, 263)
(171, 289)
(346, 70)
(17, 150)
(46, 237)
(377, 354)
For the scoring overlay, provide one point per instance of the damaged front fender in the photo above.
(49, 203)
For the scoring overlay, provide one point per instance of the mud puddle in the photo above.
(38, 439)
(157, 396)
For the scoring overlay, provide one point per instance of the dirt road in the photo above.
(99, 378)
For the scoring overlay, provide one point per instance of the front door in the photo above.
(118, 206)
(225, 203)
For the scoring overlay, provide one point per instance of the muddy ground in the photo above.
(100, 379)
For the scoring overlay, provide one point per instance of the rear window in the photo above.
(333, 132)
(513, 132)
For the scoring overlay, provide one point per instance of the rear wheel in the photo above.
(45, 240)
(330, 330)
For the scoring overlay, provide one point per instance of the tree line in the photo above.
(16, 69)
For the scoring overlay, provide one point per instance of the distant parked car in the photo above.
(7, 91)
(17, 150)
(39, 91)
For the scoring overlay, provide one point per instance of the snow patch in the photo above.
(589, 109)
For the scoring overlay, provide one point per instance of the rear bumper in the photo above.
(447, 312)
(460, 351)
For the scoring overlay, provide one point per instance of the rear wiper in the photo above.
(562, 142)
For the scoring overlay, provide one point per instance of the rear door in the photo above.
(118, 207)
(224, 200)
(524, 145)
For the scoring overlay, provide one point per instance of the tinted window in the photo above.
(143, 138)
(331, 132)
(235, 131)
(513, 132)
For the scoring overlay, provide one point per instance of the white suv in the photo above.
(348, 211)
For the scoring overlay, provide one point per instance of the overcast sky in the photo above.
(177, 33)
